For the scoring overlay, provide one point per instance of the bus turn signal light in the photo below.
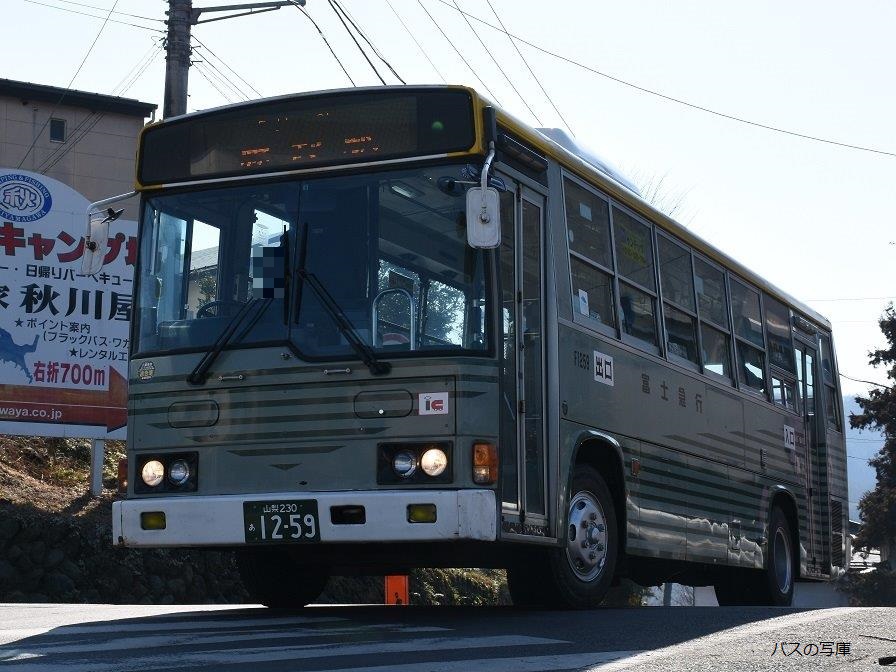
(485, 463)
(123, 476)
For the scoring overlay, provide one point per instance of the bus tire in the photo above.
(274, 579)
(777, 579)
(772, 586)
(582, 569)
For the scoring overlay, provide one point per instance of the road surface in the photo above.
(104, 638)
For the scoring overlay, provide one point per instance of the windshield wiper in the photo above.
(364, 351)
(198, 376)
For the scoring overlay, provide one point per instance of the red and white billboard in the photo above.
(63, 337)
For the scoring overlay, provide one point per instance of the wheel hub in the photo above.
(586, 544)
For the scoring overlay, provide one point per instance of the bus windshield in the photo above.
(388, 248)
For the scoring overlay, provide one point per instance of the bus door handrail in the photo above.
(411, 304)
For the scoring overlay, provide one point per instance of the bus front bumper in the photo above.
(218, 520)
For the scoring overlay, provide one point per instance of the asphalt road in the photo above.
(102, 638)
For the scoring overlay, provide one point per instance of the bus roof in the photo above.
(589, 167)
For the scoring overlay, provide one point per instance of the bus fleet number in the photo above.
(582, 360)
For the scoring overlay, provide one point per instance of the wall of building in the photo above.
(97, 158)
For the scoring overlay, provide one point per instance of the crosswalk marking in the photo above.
(191, 659)
(214, 623)
(224, 636)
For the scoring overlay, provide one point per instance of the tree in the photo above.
(877, 508)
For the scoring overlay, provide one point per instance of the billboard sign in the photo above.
(63, 337)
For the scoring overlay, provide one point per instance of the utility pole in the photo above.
(177, 67)
(181, 19)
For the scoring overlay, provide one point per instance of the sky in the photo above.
(813, 218)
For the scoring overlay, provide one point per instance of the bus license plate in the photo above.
(293, 521)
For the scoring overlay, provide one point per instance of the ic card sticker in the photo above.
(433, 403)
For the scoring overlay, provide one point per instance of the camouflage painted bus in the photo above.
(385, 328)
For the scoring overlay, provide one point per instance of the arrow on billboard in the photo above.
(28, 403)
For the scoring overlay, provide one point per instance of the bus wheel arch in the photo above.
(603, 453)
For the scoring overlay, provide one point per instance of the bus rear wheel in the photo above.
(273, 578)
(578, 574)
(772, 586)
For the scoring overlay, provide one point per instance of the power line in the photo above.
(208, 79)
(103, 9)
(224, 63)
(222, 76)
(368, 41)
(422, 50)
(457, 51)
(226, 84)
(497, 65)
(72, 81)
(680, 101)
(93, 16)
(326, 41)
(90, 121)
(531, 72)
(867, 382)
(357, 44)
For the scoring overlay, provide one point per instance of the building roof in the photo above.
(204, 258)
(96, 102)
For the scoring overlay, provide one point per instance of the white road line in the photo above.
(718, 639)
(189, 660)
(110, 626)
(565, 661)
(223, 637)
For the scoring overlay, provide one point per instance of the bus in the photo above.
(384, 328)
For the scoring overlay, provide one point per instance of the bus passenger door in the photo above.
(523, 457)
(806, 356)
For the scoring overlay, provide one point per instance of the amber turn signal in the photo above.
(123, 476)
(485, 463)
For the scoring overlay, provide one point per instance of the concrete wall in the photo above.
(97, 159)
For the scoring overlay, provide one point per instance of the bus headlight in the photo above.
(179, 472)
(434, 461)
(404, 463)
(152, 473)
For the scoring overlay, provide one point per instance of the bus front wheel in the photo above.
(576, 575)
(583, 569)
(274, 579)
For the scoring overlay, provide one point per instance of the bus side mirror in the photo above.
(483, 218)
(96, 243)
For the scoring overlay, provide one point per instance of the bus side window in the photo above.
(784, 393)
(679, 309)
(590, 256)
(712, 307)
(832, 404)
(637, 283)
(780, 341)
(748, 337)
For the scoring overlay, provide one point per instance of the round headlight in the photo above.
(404, 463)
(434, 461)
(153, 472)
(179, 472)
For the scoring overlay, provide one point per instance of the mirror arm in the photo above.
(96, 208)
(486, 167)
